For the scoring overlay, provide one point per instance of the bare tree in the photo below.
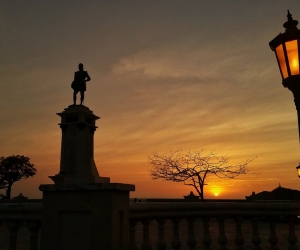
(193, 168)
(14, 168)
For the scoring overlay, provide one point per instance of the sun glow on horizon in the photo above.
(216, 191)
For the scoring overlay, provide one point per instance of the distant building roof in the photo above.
(279, 193)
(191, 197)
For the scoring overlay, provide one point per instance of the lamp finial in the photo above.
(289, 16)
(291, 24)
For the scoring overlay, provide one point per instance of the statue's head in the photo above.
(80, 66)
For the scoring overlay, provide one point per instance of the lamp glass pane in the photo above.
(292, 53)
(298, 170)
(281, 61)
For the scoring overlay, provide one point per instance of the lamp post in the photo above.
(287, 50)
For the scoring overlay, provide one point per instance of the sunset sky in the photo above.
(166, 75)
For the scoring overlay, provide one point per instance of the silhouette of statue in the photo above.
(79, 83)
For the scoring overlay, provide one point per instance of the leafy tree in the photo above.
(14, 168)
(194, 168)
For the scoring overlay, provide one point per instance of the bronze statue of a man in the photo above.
(79, 83)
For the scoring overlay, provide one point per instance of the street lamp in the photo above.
(286, 47)
(287, 50)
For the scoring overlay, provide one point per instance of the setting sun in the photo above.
(216, 190)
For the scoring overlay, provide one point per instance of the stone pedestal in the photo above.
(89, 217)
(78, 124)
(82, 210)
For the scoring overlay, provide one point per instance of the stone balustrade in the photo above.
(183, 225)
(16, 214)
(213, 225)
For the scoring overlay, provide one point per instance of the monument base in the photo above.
(66, 179)
(85, 216)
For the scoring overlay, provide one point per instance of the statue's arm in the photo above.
(87, 77)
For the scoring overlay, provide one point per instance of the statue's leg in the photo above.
(81, 97)
(74, 97)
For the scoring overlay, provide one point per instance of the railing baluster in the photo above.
(206, 241)
(146, 245)
(161, 242)
(239, 240)
(132, 242)
(292, 239)
(273, 238)
(34, 227)
(176, 244)
(13, 226)
(255, 237)
(222, 240)
(191, 241)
